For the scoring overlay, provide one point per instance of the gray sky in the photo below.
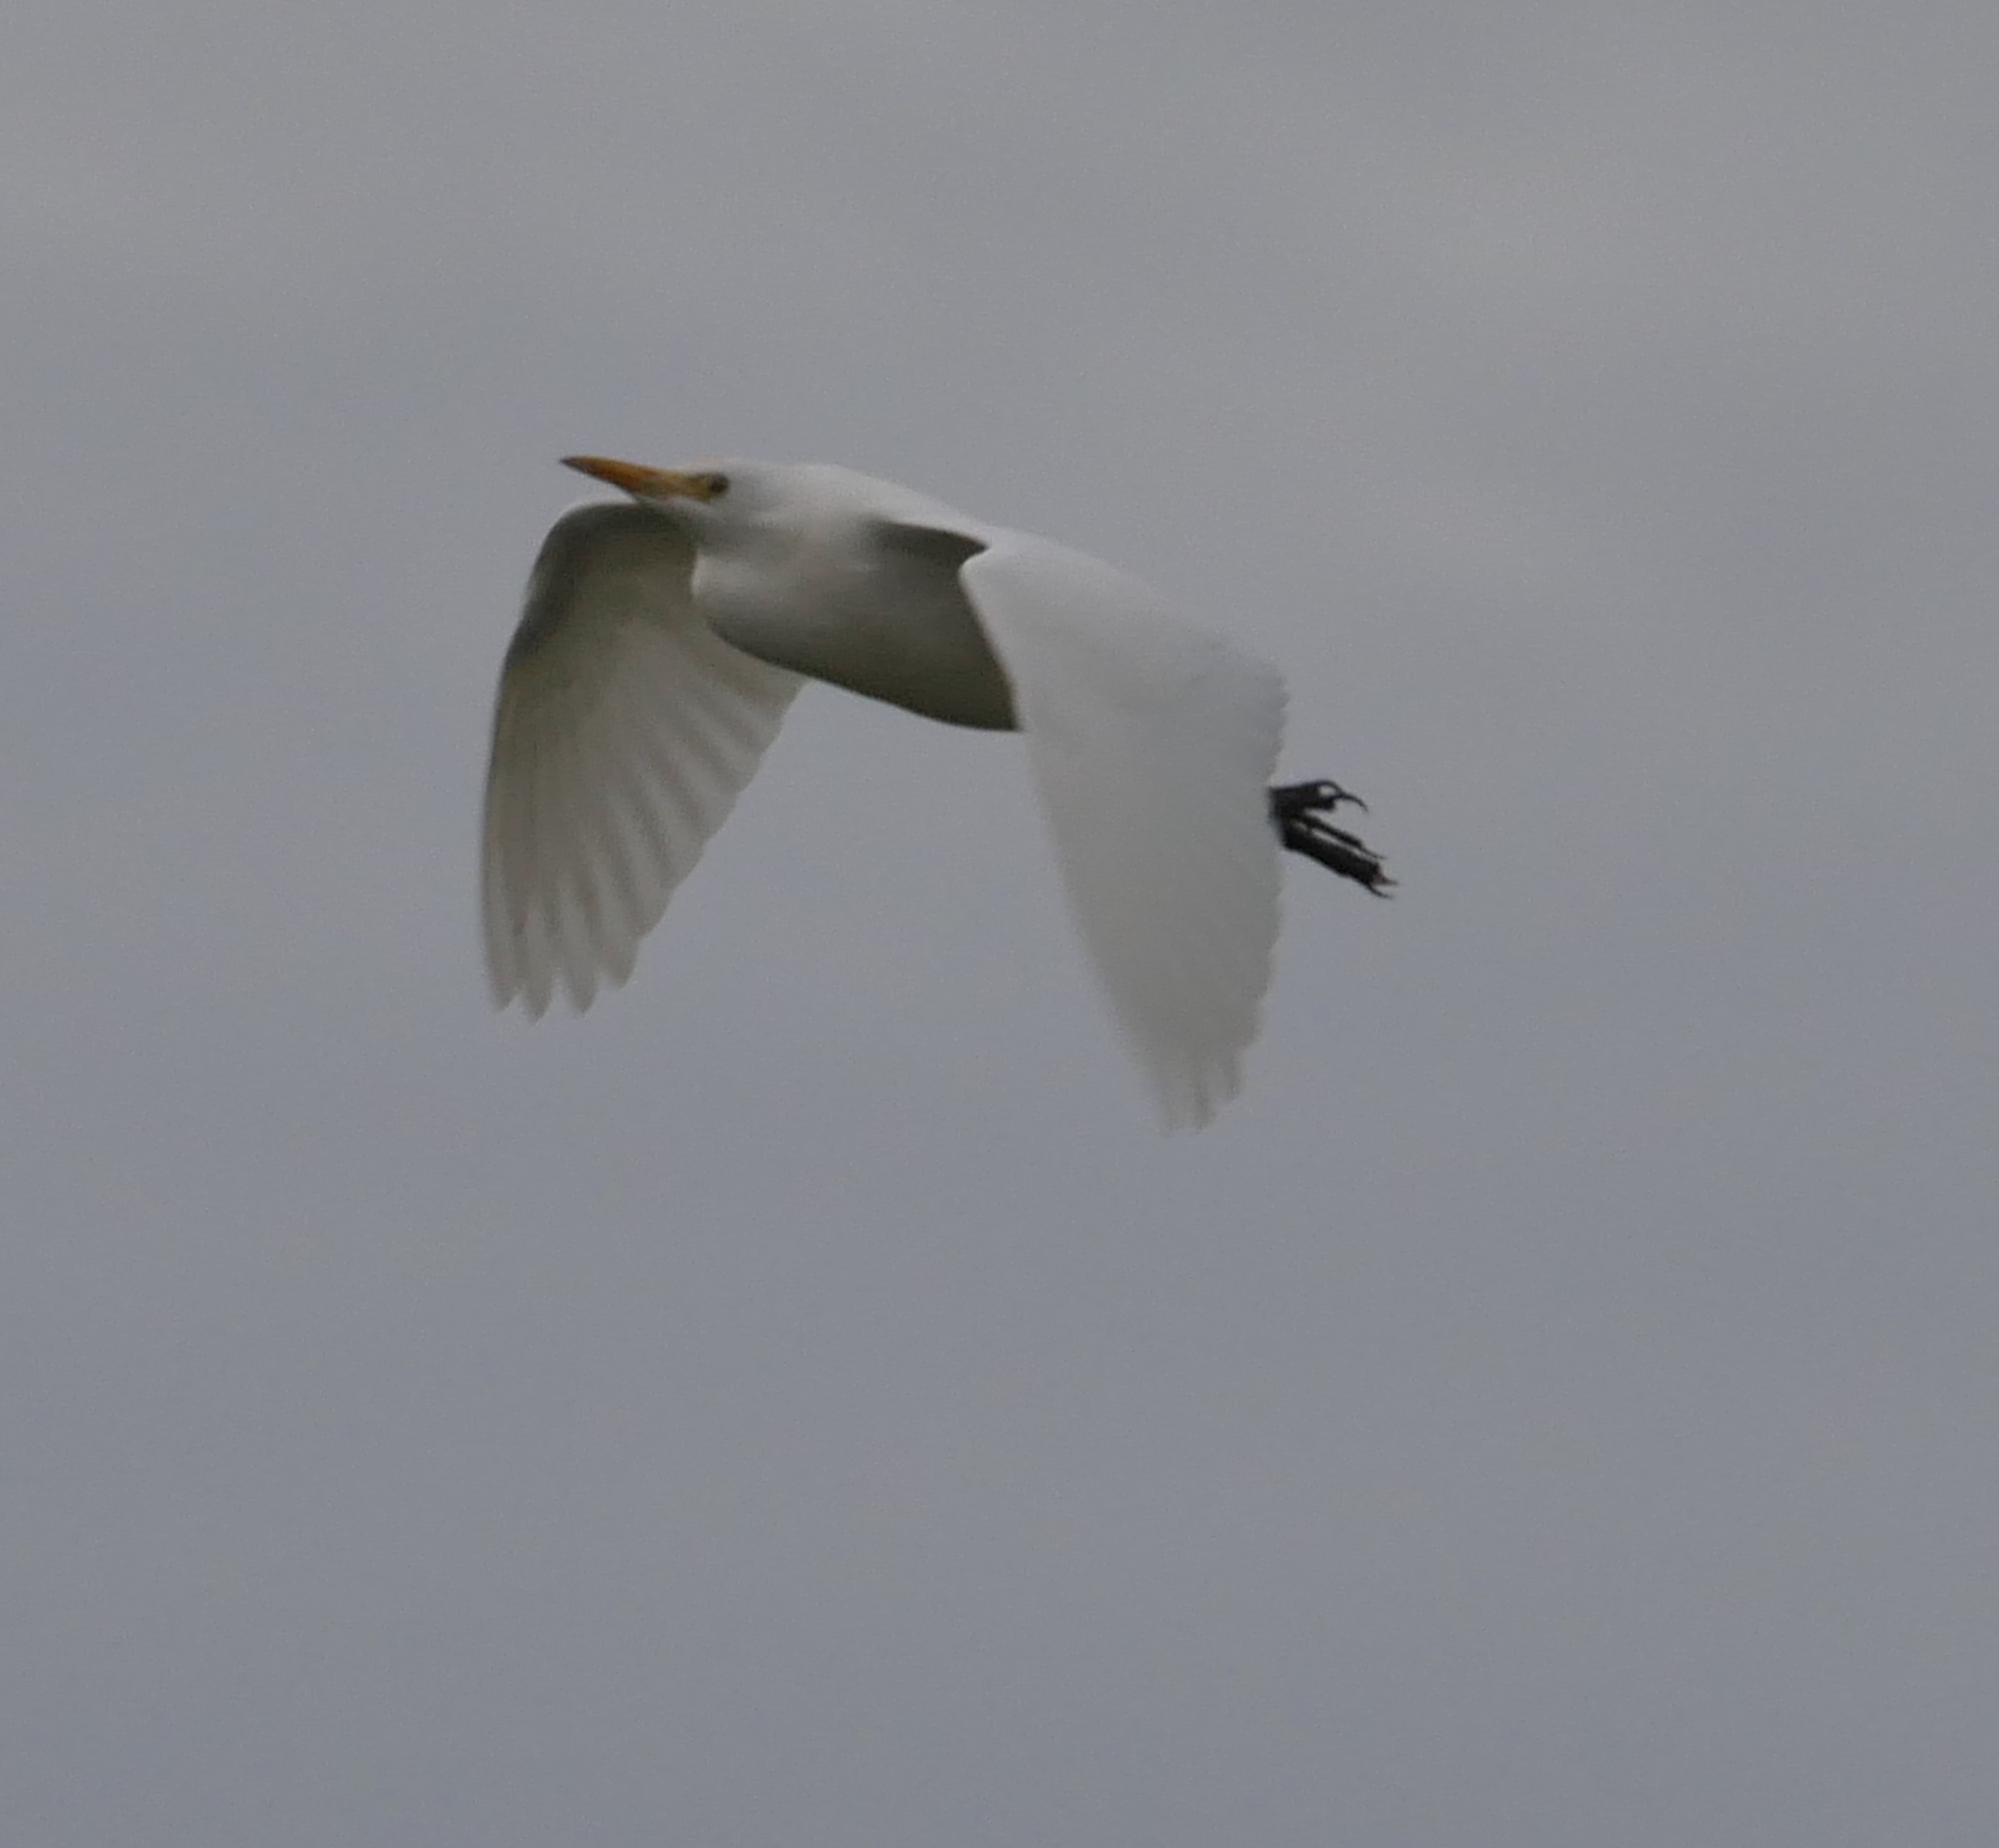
(805, 1402)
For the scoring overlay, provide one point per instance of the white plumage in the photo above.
(663, 638)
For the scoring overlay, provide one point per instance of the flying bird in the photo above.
(663, 635)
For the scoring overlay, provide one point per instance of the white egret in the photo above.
(664, 637)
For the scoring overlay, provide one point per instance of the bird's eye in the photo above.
(715, 486)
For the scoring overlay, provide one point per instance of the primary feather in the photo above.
(624, 731)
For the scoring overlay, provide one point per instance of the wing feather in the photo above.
(1152, 744)
(623, 732)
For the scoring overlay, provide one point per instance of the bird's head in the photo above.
(722, 489)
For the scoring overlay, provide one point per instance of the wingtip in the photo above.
(1190, 1095)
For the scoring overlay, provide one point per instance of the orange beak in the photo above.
(646, 483)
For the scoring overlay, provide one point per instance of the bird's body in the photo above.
(863, 593)
(663, 638)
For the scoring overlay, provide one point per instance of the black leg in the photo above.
(1299, 809)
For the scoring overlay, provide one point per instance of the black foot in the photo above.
(1298, 809)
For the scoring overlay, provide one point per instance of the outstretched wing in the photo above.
(1152, 744)
(625, 730)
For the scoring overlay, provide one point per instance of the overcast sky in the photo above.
(805, 1403)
